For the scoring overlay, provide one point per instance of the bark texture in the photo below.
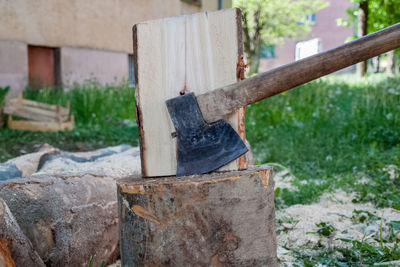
(67, 218)
(68, 210)
(15, 247)
(361, 68)
(220, 219)
(391, 68)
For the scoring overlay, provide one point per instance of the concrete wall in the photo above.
(13, 66)
(105, 24)
(94, 36)
(325, 28)
(80, 64)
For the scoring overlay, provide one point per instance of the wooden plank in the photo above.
(219, 219)
(225, 100)
(194, 53)
(36, 111)
(41, 126)
(31, 113)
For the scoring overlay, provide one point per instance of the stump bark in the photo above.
(219, 219)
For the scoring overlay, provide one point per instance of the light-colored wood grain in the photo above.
(48, 126)
(195, 53)
(215, 105)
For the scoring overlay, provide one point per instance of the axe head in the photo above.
(202, 147)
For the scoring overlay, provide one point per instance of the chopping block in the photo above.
(217, 219)
(224, 218)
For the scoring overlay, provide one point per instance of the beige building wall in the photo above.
(80, 64)
(94, 36)
(101, 24)
(13, 65)
(325, 29)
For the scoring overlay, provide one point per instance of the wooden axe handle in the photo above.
(216, 104)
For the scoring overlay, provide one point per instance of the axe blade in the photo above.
(202, 147)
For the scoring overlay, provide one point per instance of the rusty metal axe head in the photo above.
(202, 147)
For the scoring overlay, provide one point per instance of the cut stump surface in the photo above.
(219, 219)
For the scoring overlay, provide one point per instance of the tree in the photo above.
(383, 14)
(268, 22)
(362, 17)
(378, 14)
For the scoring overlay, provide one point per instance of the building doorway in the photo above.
(43, 66)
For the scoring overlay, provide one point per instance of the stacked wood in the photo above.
(39, 116)
(68, 210)
(219, 219)
(68, 219)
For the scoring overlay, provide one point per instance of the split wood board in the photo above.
(195, 53)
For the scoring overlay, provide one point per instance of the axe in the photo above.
(206, 142)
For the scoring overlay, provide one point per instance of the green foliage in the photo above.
(381, 14)
(331, 133)
(3, 93)
(325, 229)
(91, 262)
(271, 21)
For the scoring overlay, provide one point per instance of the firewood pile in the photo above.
(60, 209)
(38, 116)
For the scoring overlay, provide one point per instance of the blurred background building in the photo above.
(325, 34)
(60, 42)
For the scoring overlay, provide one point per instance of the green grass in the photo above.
(329, 131)
(104, 116)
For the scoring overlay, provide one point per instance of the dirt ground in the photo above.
(297, 225)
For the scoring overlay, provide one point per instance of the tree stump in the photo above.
(218, 219)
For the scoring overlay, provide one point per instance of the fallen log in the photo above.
(15, 247)
(69, 210)
(219, 219)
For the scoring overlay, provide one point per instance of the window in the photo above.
(308, 48)
(268, 51)
(131, 70)
(220, 4)
(312, 17)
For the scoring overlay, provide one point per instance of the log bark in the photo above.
(219, 219)
(68, 219)
(15, 247)
(69, 209)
